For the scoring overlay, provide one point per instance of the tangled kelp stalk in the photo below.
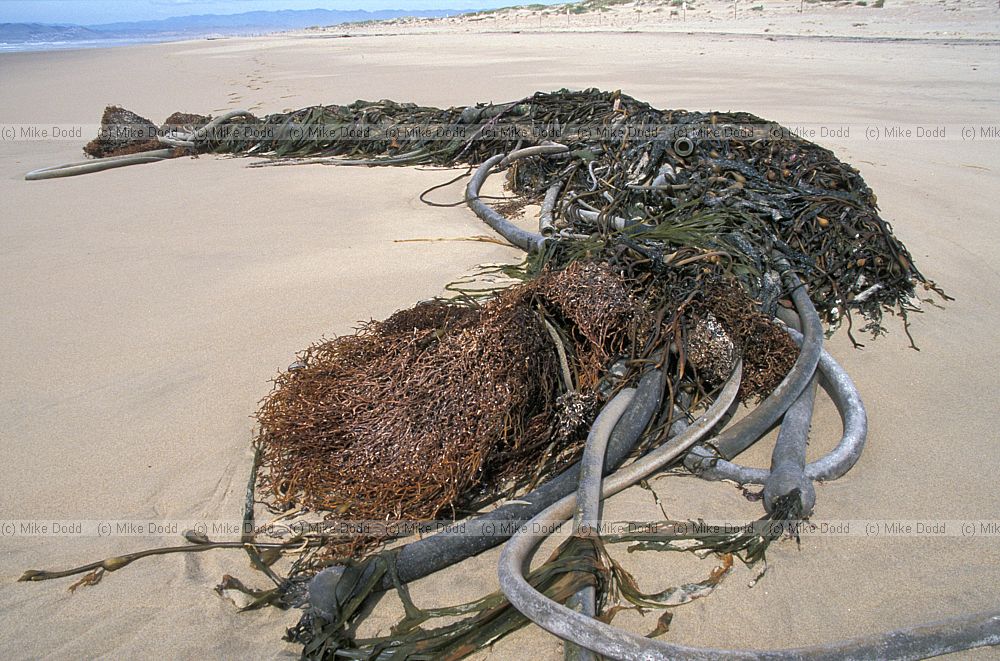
(668, 241)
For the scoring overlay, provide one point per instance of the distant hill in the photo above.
(287, 19)
(21, 32)
(254, 22)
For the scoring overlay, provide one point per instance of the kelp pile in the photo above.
(668, 242)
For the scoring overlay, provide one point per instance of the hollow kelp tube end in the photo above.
(788, 461)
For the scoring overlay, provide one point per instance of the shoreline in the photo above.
(749, 36)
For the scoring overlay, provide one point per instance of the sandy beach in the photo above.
(145, 310)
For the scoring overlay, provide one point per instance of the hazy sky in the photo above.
(87, 12)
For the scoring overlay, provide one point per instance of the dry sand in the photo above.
(144, 311)
(854, 19)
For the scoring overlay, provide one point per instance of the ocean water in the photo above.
(34, 46)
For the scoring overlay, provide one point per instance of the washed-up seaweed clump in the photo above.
(669, 241)
(413, 415)
(400, 420)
